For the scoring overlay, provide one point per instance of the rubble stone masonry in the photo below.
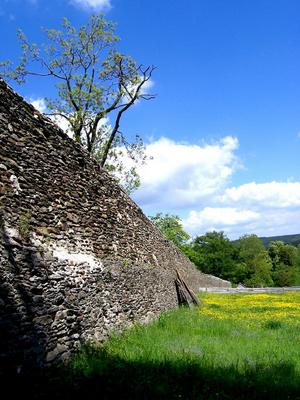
(78, 258)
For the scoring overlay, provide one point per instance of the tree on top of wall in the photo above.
(96, 85)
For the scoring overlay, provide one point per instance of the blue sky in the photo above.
(224, 129)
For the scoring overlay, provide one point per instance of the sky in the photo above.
(224, 129)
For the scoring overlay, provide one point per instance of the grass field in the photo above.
(234, 346)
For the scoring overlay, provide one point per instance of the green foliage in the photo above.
(283, 253)
(285, 275)
(217, 254)
(171, 227)
(245, 261)
(24, 225)
(94, 82)
(258, 266)
(260, 274)
(285, 263)
(126, 263)
(248, 247)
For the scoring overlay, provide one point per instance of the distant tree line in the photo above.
(245, 260)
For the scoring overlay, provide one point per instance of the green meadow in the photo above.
(233, 346)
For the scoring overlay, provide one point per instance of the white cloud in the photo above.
(236, 222)
(181, 175)
(219, 216)
(62, 123)
(193, 182)
(93, 5)
(145, 90)
(232, 221)
(270, 194)
(147, 86)
(40, 105)
(266, 209)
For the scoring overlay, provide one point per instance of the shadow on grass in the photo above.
(102, 376)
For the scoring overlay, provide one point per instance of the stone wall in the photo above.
(79, 258)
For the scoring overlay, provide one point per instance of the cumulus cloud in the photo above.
(212, 218)
(265, 209)
(236, 222)
(181, 175)
(40, 104)
(270, 194)
(93, 5)
(193, 181)
(145, 90)
(147, 86)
